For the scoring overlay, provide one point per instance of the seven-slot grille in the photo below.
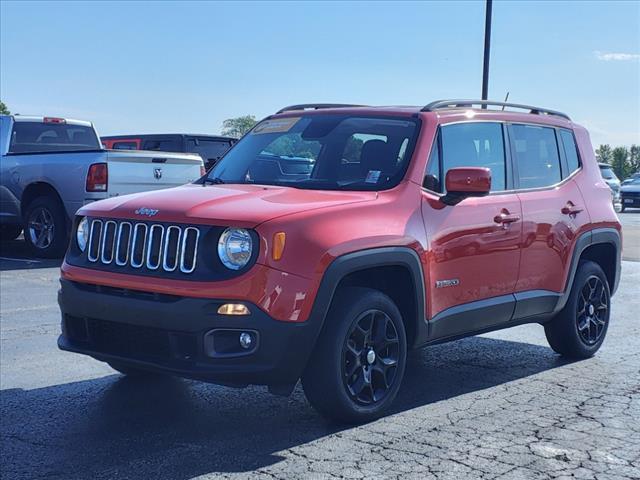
(152, 246)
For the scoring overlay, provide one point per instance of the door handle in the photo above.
(506, 218)
(571, 209)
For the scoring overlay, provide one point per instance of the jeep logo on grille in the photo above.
(157, 172)
(149, 212)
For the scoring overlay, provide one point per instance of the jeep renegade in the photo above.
(331, 239)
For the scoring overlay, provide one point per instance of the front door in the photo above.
(474, 246)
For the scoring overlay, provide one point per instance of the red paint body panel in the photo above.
(464, 241)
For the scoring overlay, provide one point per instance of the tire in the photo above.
(622, 209)
(345, 345)
(45, 229)
(580, 328)
(9, 232)
(130, 371)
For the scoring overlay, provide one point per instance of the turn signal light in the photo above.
(97, 178)
(278, 245)
(233, 309)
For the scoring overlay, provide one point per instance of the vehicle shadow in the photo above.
(15, 255)
(170, 428)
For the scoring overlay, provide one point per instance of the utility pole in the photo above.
(487, 51)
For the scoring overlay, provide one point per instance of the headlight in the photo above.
(235, 247)
(82, 234)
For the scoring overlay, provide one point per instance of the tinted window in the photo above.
(570, 150)
(51, 137)
(209, 150)
(124, 145)
(322, 151)
(536, 154)
(475, 144)
(161, 145)
(607, 173)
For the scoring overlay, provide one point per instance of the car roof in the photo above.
(40, 119)
(444, 112)
(148, 135)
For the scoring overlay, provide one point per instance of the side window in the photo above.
(432, 176)
(536, 152)
(475, 144)
(570, 151)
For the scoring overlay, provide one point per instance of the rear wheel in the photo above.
(46, 227)
(580, 328)
(9, 232)
(355, 371)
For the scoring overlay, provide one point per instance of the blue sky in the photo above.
(185, 67)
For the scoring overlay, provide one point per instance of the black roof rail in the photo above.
(441, 104)
(315, 106)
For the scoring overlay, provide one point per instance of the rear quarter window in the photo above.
(570, 150)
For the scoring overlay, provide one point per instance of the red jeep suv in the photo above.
(332, 239)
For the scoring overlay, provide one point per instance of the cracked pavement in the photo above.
(498, 406)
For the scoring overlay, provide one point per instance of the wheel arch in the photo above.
(35, 190)
(602, 246)
(387, 269)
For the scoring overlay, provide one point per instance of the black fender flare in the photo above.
(352, 262)
(587, 239)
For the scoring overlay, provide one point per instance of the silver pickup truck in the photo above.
(50, 167)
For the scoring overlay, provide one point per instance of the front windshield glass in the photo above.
(331, 152)
(607, 173)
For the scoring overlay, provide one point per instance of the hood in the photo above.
(630, 187)
(238, 205)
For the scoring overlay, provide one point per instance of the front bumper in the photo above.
(178, 335)
(630, 201)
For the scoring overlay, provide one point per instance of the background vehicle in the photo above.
(211, 148)
(630, 179)
(50, 167)
(630, 194)
(415, 226)
(612, 180)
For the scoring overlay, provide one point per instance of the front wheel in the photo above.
(356, 368)
(579, 329)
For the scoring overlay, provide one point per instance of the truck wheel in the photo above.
(356, 368)
(579, 329)
(130, 371)
(9, 232)
(46, 227)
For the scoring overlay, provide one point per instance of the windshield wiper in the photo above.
(212, 181)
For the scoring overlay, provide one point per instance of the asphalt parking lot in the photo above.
(501, 405)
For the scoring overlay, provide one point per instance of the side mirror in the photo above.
(466, 182)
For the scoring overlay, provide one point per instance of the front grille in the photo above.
(138, 245)
(631, 194)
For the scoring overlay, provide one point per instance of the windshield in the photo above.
(330, 152)
(607, 173)
(52, 137)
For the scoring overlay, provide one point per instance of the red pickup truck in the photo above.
(332, 239)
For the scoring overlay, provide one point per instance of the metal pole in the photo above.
(487, 51)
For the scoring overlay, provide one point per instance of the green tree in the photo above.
(634, 159)
(620, 162)
(3, 109)
(604, 154)
(238, 126)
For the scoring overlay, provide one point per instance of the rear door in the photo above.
(474, 250)
(545, 161)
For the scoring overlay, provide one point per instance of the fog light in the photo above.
(245, 340)
(233, 309)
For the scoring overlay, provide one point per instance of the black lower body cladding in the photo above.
(182, 336)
